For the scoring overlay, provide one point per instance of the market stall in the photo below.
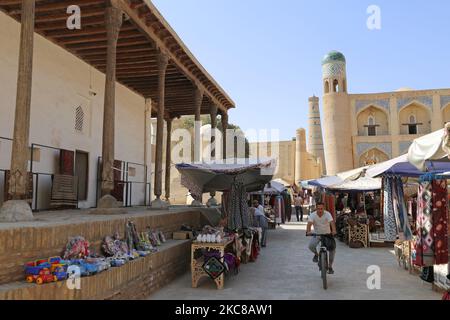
(266, 198)
(221, 249)
(418, 221)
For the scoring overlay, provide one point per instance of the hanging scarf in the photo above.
(440, 221)
(424, 240)
(432, 218)
(237, 206)
(278, 208)
(390, 226)
(400, 212)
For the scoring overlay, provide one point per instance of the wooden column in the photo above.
(113, 22)
(163, 61)
(17, 209)
(224, 134)
(213, 114)
(198, 98)
(168, 157)
(20, 147)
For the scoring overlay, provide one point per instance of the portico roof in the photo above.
(143, 33)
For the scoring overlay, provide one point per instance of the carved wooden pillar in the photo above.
(224, 134)
(213, 114)
(198, 98)
(113, 22)
(17, 209)
(20, 152)
(163, 61)
(168, 157)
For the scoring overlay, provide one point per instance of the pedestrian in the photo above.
(298, 203)
(261, 221)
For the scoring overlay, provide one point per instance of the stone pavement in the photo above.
(285, 270)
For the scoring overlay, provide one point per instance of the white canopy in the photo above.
(360, 184)
(433, 146)
(380, 168)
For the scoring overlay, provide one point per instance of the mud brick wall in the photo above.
(135, 280)
(21, 245)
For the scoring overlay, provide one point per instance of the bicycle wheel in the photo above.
(324, 268)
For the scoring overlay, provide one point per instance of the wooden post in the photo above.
(113, 22)
(198, 98)
(213, 114)
(163, 61)
(18, 209)
(168, 157)
(224, 134)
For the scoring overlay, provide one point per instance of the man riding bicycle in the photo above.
(323, 225)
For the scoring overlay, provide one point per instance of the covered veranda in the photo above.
(132, 44)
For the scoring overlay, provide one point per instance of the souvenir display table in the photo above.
(197, 270)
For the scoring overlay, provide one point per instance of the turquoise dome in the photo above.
(333, 56)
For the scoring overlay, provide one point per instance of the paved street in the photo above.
(284, 270)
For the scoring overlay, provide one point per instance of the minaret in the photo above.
(336, 112)
(300, 149)
(315, 141)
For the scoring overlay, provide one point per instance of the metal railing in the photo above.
(128, 185)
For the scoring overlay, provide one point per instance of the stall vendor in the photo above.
(260, 221)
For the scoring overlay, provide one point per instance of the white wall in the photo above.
(61, 82)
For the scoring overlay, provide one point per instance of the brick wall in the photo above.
(135, 280)
(20, 245)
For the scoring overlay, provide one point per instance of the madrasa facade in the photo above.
(364, 129)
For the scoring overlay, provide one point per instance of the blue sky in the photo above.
(267, 54)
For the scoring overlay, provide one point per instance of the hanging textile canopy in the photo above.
(282, 182)
(362, 184)
(273, 187)
(400, 166)
(433, 146)
(200, 178)
(326, 181)
(338, 179)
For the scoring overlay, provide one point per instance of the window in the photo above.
(371, 126)
(335, 86)
(344, 86)
(326, 88)
(412, 126)
(79, 119)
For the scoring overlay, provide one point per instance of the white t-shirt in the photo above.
(259, 211)
(321, 224)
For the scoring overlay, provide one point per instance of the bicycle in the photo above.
(323, 257)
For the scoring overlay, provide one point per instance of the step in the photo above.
(135, 280)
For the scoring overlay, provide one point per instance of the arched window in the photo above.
(371, 126)
(79, 119)
(335, 86)
(412, 126)
(326, 87)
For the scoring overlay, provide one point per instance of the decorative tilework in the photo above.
(383, 103)
(425, 100)
(333, 70)
(404, 146)
(386, 147)
(444, 101)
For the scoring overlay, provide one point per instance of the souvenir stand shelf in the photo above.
(197, 271)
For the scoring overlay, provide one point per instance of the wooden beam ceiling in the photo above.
(143, 34)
